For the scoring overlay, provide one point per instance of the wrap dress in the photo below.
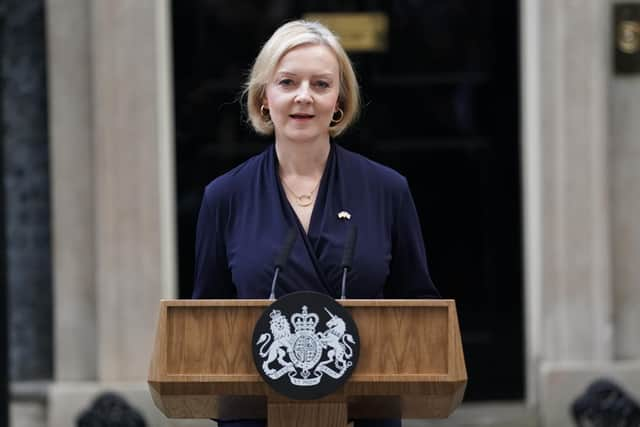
(245, 217)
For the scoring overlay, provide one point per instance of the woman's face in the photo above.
(303, 93)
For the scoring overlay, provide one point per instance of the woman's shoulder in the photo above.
(225, 185)
(371, 170)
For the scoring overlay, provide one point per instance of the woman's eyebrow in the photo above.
(285, 73)
(291, 73)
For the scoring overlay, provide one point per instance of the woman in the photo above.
(302, 89)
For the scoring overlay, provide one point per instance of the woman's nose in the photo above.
(303, 95)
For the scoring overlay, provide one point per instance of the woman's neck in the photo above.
(302, 158)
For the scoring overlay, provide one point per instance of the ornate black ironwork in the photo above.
(110, 410)
(605, 404)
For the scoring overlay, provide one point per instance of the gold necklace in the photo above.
(302, 200)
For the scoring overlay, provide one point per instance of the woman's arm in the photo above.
(409, 275)
(212, 275)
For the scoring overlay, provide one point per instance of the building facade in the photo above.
(111, 161)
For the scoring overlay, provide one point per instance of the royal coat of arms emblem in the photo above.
(319, 347)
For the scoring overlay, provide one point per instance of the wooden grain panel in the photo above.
(457, 368)
(302, 414)
(402, 340)
(210, 340)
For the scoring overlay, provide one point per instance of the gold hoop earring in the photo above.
(264, 112)
(338, 120)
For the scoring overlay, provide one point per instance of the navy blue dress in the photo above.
(245, 217)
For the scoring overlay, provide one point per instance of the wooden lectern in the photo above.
(411, 364)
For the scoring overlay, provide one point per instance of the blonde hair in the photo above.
(287, 37)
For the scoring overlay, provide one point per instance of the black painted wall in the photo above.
(441, 106)
(4, 303)
(25, 175)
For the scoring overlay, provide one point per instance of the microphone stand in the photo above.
(272, 296)
(282, 259)
(347, 258)
(344, 282)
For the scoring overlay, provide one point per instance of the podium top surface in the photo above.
(344, 302)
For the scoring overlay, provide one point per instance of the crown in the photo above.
(304, 321)
(275, 314)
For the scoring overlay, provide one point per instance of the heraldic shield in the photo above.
(305, 345)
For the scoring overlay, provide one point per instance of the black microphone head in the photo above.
(349, 246)
(281, 260)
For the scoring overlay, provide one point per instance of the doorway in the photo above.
(441, 106)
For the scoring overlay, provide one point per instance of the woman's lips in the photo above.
(301, 116)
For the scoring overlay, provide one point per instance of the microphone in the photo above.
(282, 257)
(347, 256)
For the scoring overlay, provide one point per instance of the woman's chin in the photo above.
(305, 135)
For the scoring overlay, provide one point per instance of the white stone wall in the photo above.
(134, 173)
(581, 186)
(72, 165)
(112, 154)
(27, 414)
(575, 282)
